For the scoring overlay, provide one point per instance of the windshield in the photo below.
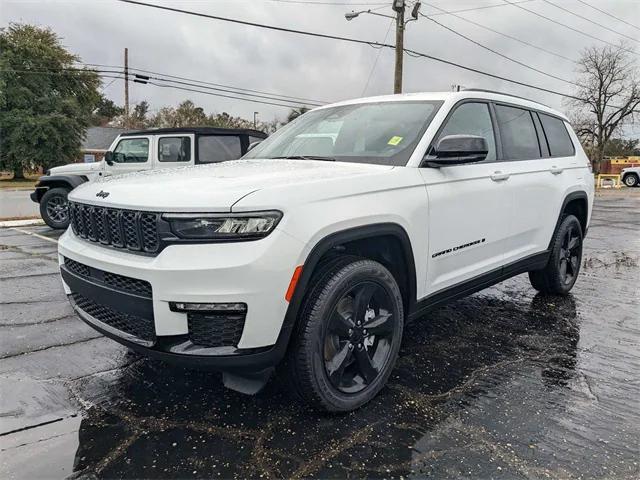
(383, 133)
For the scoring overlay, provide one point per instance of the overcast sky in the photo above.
(316, 68)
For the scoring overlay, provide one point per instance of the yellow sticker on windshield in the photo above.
(394, 140)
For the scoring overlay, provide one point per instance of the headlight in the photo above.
(231, 226)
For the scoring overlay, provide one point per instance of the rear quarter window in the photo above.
(214, 149)
(560, 144)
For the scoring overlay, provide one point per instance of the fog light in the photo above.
(207, 307)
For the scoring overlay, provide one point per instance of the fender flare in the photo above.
(322, 247)
(578, 195)
(56, 181)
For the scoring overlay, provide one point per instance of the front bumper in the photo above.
(255, 273)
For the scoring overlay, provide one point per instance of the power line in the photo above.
(518, 62)
(609, 15)
(301, 99)
(589, 20)
(562, 25)
(167, 84)
(351, 40)
(221, 95)
(447, 12)
(375, 63)
(330, 3)
(485, 7)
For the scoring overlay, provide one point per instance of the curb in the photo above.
(22, 223)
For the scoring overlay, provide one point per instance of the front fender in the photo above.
(56, 181)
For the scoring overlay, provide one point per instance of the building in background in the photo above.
(97, 142)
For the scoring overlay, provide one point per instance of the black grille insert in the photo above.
(133, 230)
(119, 282)
(142, 328)
(215, 329)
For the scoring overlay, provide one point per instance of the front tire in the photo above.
(347, 337)
(54, 208)
(561, 272)
(631, 180)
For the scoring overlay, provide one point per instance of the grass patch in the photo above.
(9, 184)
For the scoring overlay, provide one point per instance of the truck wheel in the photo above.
(54, 208)
(631, 180)
(347, 337)
(561, 272)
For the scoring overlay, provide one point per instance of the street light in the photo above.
(255, 120)
(399, 7)
(351, 15)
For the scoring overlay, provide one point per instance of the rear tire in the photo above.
(338, 361)
(631, 180)
(54, 208)
(561, 272)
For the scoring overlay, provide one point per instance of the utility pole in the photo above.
(126, 87)
(398, 6)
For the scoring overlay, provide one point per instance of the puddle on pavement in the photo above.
(489, 385)
(503, 384)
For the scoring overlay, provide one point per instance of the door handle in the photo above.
(498, 176)
(556, 170)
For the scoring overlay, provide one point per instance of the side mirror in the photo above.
(458, 149)
(253, 145)
(108, 157)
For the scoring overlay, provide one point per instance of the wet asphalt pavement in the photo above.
(502, 384)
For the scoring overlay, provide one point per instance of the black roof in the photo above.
(200, 130)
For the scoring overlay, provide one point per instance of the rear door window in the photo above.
(220, 148)
(174, 149)
(560, 144)
(518, 133)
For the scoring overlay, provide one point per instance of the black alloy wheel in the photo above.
(359, 336)
(561, 271)
(54, 208)
(347, 336)
(570, 254)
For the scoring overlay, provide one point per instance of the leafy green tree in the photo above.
(296, 112)
(620, 147)
(187, 114)
(46, 104)
(105, 112)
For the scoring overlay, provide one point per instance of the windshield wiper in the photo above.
(307, 157)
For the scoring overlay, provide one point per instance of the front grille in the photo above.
(119, 282)
(139, 327)
(215, 330)
(130, 229)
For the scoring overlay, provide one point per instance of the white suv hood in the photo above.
(213, 187)
(77, 168)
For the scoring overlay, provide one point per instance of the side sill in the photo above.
(446, 295)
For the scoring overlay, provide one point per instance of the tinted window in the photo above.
(472, 119)
(558, 138)
(131, 150)
(519, 139)
(174, 149)
(253, 139)
(213, 149)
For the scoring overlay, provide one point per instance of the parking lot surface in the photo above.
(502, 384)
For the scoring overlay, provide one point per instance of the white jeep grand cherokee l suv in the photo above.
(313, 250)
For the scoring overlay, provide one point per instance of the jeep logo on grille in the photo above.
(102, 194)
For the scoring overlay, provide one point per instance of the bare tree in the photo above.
(607, 97)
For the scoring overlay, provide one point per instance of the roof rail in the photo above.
(503, 93)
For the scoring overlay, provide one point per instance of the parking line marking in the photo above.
(27, 232)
